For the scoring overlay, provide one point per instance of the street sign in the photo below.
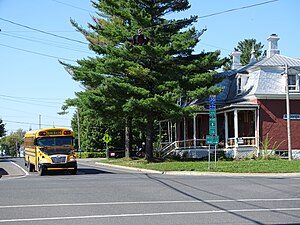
(212, 99)
(212, 131)
(106, 138)
(212, 120)
(212, 140)
(212, 113)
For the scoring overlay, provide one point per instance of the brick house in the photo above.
(251, 108)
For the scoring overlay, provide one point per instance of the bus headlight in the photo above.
(42, 161)
(72, 160)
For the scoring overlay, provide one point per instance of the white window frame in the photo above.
(239, 85)
(295, 86)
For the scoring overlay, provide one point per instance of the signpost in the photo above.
(106, 139)
(212, 138)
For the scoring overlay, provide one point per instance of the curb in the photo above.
(195, 173)
(129, 168)
(9, 169)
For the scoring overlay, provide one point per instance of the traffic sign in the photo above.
(212, 99)
(212, 139)
(212, 131)
(212, 113)
(106, 138)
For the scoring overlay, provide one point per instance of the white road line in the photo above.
(147, 202)
(147, 214)
(24, 171)
(15, 177)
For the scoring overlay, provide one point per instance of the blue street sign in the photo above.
(212, 99)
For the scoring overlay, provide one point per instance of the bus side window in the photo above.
(35, 141)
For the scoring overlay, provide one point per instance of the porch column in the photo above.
(226, 129)
(175, 134)
(257, 138)
(169, 132)
(236, 128)
(195, 131)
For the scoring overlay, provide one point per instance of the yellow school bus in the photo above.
(50, 149)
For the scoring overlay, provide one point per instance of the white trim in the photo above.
(236, 127)
(226, 129)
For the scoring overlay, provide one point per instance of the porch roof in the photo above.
(240, 105)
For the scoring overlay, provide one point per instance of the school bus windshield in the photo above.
(54, 141)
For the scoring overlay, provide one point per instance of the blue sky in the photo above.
(34, 85)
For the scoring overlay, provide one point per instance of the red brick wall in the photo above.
(273, 124)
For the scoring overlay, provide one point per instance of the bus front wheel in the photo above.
(73, 172)
(41, 170)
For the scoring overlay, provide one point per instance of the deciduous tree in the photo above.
(2, 128)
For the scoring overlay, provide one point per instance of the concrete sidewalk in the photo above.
(97, 161)
(9, 169)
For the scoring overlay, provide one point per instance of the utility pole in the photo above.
(40, 121)
(78, 128)
(288, 120)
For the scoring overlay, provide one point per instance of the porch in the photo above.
(237, 128)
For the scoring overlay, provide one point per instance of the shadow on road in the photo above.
(84, 171)
(80, 172)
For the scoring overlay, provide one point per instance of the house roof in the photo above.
(262, 78)
(279, 60)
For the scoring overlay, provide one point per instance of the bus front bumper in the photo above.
(59, 166)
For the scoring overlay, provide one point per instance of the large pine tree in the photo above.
(126, 80)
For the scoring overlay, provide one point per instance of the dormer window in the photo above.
(293, 81)
(239, 84)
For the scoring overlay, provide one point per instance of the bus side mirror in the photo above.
(76, 145)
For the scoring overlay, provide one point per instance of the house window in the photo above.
(239, 85)
(293, 81)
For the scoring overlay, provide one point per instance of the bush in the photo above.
(90, 154)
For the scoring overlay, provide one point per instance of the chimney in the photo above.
(273, 46)
(252, 58)
(236, 60)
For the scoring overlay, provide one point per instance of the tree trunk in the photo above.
(149, 139)
(128, 137)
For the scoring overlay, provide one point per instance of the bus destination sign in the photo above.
(54, 132)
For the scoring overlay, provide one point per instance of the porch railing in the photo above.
(167, 148)
(242, 142)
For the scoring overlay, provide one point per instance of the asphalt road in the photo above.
(102, 195)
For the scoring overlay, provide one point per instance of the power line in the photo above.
(236, 9)
(31, 114)
(42, 42)
(30, 103)
(76, 7)
(37, 53)
(28, 123)
(28, 100)
(44, 32)
(32, 98)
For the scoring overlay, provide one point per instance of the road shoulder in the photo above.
(9, 169)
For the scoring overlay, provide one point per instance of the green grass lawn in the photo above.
(236, 166)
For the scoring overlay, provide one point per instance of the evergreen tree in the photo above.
(145, 64)
(245, 47)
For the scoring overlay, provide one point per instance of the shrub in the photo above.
(91, 154)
